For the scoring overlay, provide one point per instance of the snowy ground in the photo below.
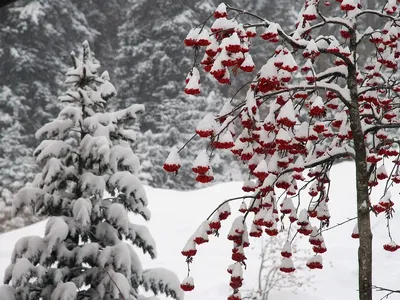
(175, 216)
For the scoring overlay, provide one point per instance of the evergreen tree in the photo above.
(87, 185)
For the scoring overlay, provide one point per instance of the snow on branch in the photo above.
(160, 280)
(141, 237)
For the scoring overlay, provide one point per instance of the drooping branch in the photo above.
(229, 200)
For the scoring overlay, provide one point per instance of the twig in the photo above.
(187, 142)
(382, 289)
(338, 224)
(228, 200)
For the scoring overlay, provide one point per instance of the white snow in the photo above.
(164, 279)
(56, 231)
(81, 210)
(20, 273)
(30, 247)
(115, 283)
(51, 148)
(124, 157)
(176, 215)
(27, 196)
(87, 251)
(64, 291)
(117, 215)
(7, 292)
(33, 10)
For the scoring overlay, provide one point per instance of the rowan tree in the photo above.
(315, 118)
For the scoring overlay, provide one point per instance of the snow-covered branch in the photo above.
(377, 13)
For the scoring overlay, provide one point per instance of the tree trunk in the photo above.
(363, 214)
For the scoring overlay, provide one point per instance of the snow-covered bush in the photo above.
(349, 110)
(87, 186)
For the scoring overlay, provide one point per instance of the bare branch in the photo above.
(339, 224)
(382, 289)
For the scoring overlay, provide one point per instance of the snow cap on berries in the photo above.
(206, 177)
(200, 236)
(261, 171)
(391, 247)
(310, 13)
(190, 248)
(173, 161)
(206, 126)
(193, 85)
(243, 207)
(204, 38)
(237, 229)
(303, 218)
(286, 250)
(355, 234)
(248, 64)
(271, 33)
(224, 211)
(220, 12)
(191, 38)
(202, 163)
(287, 265)
(287, 206)
(315, 262)
(287, 116)
(187, 284)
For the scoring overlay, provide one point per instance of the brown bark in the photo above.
(364, 224)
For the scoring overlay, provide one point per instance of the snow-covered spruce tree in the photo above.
(285, 157)
(87, 186)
